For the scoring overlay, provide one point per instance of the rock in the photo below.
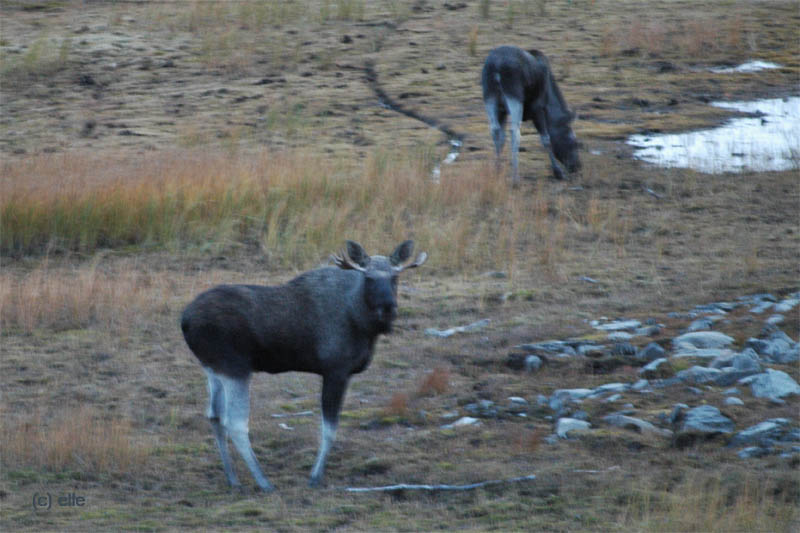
(613, 398)
(566, 425)
(651, 352)
(702, 353)
(482, 409)
(444, 333)
(776, 320)
(761, 307)
(698, 374)
(527, 362)
(701, 324)
(562, 397)
(702, 339)
(746, 361)
(772, 384)
(623, 348)
(786, 305)
(649, 331)
(733, 400)
(732, 391)
(590, 350)
(640, 385)
(463, 421)
(533, 363)
(777, 348)
(659, 368)
(618, 325)
(706, 420)
(619, 336)
(677, 413)
(636, 424)
(549, 347)
(764, 434)
(753, 451)
(517, 404)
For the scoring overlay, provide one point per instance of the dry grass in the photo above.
(78, 439)
(715, 503)
(435, 382)
(291, 205)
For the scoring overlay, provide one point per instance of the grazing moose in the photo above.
(521, 84)
(324, 321)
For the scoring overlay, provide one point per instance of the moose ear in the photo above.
(357, 254)
(402, 253)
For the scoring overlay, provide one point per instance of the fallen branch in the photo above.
(289, 415)
(405, 486)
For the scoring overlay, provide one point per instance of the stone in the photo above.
(566, 425)
(636, 424)
(463, 421)
(701, 324)
(651, 352)
(698, 374)
(764, 434)
(482, 409)
(706, 420)
(733, 400)
(618, 325)
(786, 305)
(702, 339)
(560, 398)
(677, 413)
(702, 353)
(548, 347)
(746, 361)
(533, 363)
(659, 368)
(753, 451)
(778, 348)
(640, 385)
(619, 336)
(772, 384)
(776, 319)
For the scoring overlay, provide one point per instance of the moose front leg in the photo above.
(543, 127)
(333, 390)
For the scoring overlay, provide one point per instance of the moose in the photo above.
(520, 83)
(324, 321)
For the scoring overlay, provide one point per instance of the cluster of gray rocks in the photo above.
(715, 363)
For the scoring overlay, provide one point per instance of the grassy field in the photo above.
(152, 150)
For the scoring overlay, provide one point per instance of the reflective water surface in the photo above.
(768, 141)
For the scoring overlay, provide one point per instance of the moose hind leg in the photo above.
(515, 110)
(333, 390)
(216, 407)
(236, 419)
(496, 126)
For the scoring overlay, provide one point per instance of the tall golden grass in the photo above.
(714, 502)
(79, 439)
(296, 206)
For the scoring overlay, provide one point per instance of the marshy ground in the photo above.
(152, 150)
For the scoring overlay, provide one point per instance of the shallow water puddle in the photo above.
(769, 141)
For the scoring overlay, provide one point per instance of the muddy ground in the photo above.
(131, 80)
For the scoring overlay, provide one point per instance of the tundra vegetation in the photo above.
(154, 150)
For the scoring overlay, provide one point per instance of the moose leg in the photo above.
(216, 406)
(496, 125)
(515, 110)
(543, 127)
(236, 419)
(333, 389)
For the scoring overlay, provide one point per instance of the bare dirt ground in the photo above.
(108, 406)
